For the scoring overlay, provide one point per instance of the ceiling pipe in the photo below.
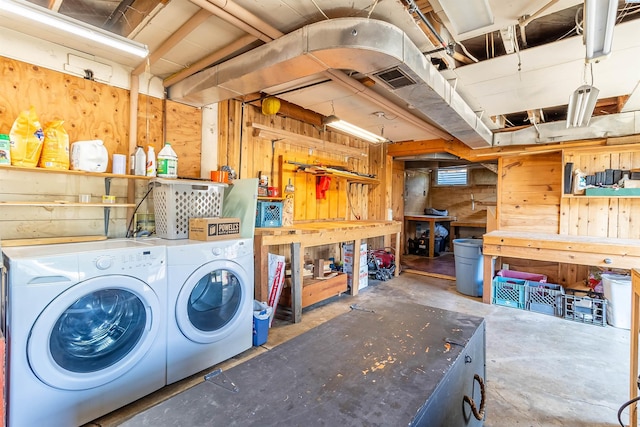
(249, 18)
(413, 7)
(523, 22)
(173, 40)
(233, 20)
(212, 58)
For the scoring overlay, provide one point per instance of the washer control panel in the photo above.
(124, 260)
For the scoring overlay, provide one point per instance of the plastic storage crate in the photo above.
(509, 292)
(177, 200)
(585, 307)
(544, 298)
(268, 214)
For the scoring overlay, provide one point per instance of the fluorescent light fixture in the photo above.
(468, 15)
(43, 16)
(599, 20)
(581, 105)
(353, 130)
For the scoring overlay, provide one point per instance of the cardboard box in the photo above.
(210, 229)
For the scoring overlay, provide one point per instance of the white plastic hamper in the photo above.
(177, 200)
(617, 289)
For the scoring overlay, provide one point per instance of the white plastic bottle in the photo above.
(151, 161)
(140, 162)
(167, 162)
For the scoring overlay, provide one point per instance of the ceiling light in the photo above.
(599, 20)
(468, 15)
(43, 16)
(341, 125)
(581, 105)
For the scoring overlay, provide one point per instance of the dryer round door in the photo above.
(94, 332)
(212, 301)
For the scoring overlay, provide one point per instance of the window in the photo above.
(452, 176)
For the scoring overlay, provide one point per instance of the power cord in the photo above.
(626, 404)
(133, 215)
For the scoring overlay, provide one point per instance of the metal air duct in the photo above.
(374, 48)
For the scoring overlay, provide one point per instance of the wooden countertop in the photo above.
(583, 250)
(324, 232)
(434, 218)
(578, 244)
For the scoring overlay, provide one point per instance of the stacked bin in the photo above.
(512, 289)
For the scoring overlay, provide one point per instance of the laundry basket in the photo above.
(177, 200)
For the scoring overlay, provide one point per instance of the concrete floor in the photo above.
(541, 370)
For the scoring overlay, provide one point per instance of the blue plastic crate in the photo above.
(509, 292)
(268, 214)
(544, 298)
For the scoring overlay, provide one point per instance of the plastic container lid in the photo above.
(4, 136)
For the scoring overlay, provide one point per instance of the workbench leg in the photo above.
(488, 266)
(635, 329)
(432, 237)
(452, 236)
(296, 282)
(261, 269)
(355, 274)
(397, 272)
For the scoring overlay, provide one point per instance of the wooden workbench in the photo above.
(300, 236)
(431, 219)
(582, 250)
(455, 225)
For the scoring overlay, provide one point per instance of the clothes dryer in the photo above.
(210, 288)
(85, 327)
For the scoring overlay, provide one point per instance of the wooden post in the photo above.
(261, 271)
(635, 329)
(296, 282)
(355, 275)
(488, 266)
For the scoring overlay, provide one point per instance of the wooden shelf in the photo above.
(69, 204)
(319, 170)
(72, 172)
(582, 196)
(270, 198)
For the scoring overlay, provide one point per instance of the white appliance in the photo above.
(210, 287)
(85, 327)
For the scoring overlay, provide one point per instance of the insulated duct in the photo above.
(374, 48)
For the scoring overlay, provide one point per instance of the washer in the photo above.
(85, 327)
(210, 288)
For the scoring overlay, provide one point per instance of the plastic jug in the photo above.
(151, 161)
(140, 163)
(167, 162)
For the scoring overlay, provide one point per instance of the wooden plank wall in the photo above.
(457, 200)
(601, 216)
(91, 110)
(248, 155)
(529, 190)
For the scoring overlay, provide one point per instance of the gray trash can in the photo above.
(469, 266)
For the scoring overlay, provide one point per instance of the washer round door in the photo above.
(94, 332)
(211, 301)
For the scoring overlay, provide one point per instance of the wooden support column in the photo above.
(635, 329)
(355, 274)
(261, 269)
(487, 278)
(296, 282)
